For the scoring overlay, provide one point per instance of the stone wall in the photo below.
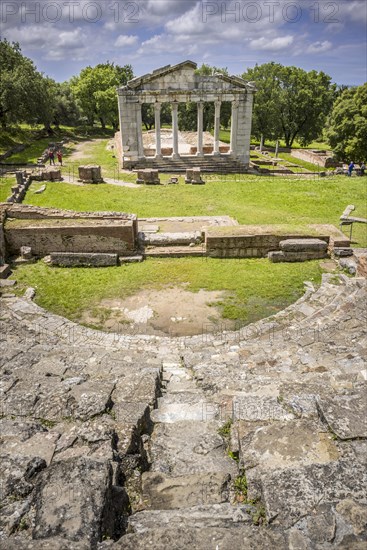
(51, 230)
(321, 158)
(257, 241)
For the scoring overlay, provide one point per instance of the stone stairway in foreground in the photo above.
(254, 439)
(189, 491)
(293, 387)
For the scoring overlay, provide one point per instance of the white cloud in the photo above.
(125, 40)
(274, 44)
(319, 47)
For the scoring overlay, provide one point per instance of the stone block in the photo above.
(343, 251)
(303, 245)
(26, 252)
(90, 174)
(193, 175)
(85, 259)
(51, 174)
(4, 271)
(148, 176)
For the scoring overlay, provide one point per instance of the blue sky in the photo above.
(63, 36)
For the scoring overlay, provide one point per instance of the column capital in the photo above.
(157, 106)
(235, 103)
(217, 103)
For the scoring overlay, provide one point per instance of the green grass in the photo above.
(5, 187)
(93, 153)
(250, 199)
(303, 163)
(255, 288)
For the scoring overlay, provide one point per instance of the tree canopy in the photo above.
(290, 102)
(95, 91)
(346, 129)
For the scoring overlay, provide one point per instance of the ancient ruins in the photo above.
(180, 84)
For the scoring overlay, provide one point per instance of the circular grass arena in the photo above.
(169, 296)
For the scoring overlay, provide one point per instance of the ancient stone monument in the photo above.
(148, 176)
(90, 174)
(179, 84)
(193, 175)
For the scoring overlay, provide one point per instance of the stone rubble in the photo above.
(248, 439)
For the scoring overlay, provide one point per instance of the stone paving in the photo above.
(249, 439)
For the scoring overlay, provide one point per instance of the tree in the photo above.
(290, 102)
(25, 94)
(66, 109)
(95, 91)
(346, 129)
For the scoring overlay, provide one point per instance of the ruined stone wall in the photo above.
(320, 159)
(51, 230)
(245, 246)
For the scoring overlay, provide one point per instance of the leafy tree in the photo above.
(95, 91)
(25, 94)
(290, 102)
(346, 129)
(66, 109)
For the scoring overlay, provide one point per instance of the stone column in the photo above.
(175, 130)
(234, 124)
(200, 129)
(217, 105)
(139, 123)
(157, 124)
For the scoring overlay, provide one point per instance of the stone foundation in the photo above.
(90, 174)
(72, 259)
(193, 175)
(148, 176)
(251, 241)
(48, 230)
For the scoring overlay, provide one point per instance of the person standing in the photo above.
(59, 156)
(362, 169)
(350, 168)
(51, 156)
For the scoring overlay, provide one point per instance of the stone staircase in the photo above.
(208, 163)
(190, 482)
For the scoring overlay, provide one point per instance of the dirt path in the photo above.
(171, 311)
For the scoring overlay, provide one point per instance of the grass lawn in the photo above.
(5, 187)
(250, 199)
(256, 287)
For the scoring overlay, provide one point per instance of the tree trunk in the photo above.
(103, 124)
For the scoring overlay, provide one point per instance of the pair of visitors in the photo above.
(350, 168)
(51, 156)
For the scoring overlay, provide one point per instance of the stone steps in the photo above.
(174, 251)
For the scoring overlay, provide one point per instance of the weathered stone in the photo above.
(193, 175)
(148, 176)
(287, 444)
(340, 252)
(26, 252)
(76, 259)
(163, 492)
(90, 174)
(5, 271)
(355, 514)
(346, 415)
(70, 500)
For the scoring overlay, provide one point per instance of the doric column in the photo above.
(157, 125)
(200, 129)
(217, 105)
(175, 130)
(234, 124)
(139, 123)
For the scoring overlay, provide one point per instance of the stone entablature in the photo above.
(180, 84)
